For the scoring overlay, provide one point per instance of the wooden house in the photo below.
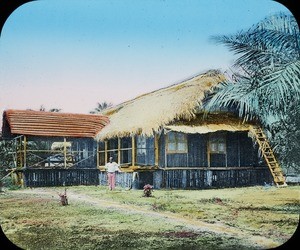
(166, 139)
(52, 148)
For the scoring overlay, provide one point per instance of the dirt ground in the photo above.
(167, 220)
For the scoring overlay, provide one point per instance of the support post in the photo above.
(119, 150)
(208, 152)
(133, 149)
(166, 155)
(25, 151)
(105, 152)
(65, 152)
(97, 154)
(156, 149)
(239, 151)
(20, 152)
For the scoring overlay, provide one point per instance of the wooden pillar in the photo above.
(225, 142)
(98, 155)
(166, 153)
(133, 149)
(239, 151)
(65, 152)
(208, 152)
(25, 151)
(119, 150)
(20, 155)
(105, 152)
(156, 149)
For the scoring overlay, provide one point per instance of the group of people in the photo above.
(112, 167)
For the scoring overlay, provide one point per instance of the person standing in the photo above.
(111, 168)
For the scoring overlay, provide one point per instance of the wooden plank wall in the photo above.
(60, 177)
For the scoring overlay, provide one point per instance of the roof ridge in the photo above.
(209, 73)
(49, 112)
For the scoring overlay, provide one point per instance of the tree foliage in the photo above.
(265, 83)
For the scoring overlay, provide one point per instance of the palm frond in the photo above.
(264, 44)
(233, 95)
(283, 85)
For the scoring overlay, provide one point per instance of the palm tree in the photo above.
(101, 107)
(265, 83)
(266, 74)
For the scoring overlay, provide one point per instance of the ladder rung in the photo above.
(274, 167)
(280, 176)
(281, 180)
(273, 164)
(278, 171)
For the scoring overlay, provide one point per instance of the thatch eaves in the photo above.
(150, 112)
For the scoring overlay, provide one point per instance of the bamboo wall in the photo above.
(124, 180)
(178, 178)
(60, 177)
(205, 179)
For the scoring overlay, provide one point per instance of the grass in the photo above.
(35, 221)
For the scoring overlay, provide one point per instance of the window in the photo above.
(141, 145)
(176, 143)
(217, 143)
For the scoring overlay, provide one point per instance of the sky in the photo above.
(72, 54)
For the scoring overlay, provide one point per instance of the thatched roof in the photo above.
(150, 112)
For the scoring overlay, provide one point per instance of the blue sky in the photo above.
(72, 54)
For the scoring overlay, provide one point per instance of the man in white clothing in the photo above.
(111, 167)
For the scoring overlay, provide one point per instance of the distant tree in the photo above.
(54, 110)
(265, 83)
(42, 108)
(101, 107)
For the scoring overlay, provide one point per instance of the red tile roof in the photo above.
(40, 123)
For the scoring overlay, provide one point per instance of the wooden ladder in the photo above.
(268, 154)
